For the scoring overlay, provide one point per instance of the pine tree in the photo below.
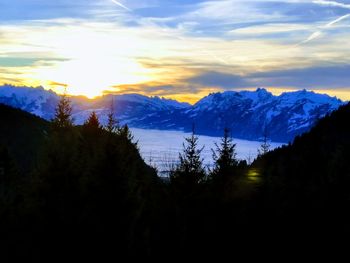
(125, 132)
(265, 145)
(93, 122)
(63, 114)
(225, 157)
(112, 123)
(190, 170)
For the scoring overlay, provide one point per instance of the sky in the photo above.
(181, 49)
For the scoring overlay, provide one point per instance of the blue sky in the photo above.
(180, 49)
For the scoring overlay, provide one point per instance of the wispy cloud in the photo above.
(313, 36)
(330, 24)
(339, 19)
(319, 33)
(332, 4)
(121, 5)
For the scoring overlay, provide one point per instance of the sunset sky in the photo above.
(183, 49)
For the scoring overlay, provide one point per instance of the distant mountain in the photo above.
(246, 113)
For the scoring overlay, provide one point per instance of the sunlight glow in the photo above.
(85, 77)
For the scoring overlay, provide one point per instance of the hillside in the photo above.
(306, 184)
(78, 181)
(22, 134)
(319, 154)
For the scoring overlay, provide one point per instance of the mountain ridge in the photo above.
(247, 113)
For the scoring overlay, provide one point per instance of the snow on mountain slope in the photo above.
(42, 103)
(247, 113)
(34, 100)
(154, 101)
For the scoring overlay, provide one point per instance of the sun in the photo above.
(93, 76)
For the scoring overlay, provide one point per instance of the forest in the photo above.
(84, 192)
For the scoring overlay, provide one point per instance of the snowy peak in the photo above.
(261, 97)
(234, 97)
(25, 93)
(309, 96)
(172, 103)
(37, 101)
(260, 94)
(247, 112)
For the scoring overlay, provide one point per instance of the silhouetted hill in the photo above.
(321, 151)
(22, 134)
(78, 188)
(306, 184)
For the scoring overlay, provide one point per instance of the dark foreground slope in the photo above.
(307, 183)
(87, 192)
(91, 196)
(22, 133)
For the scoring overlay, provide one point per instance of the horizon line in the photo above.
(274, 91)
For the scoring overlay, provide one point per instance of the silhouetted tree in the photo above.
(93, 122)
(225, 158)
(56, 178)
(265, 145)
(63, 113)
(124, 132)
(112, 123)
(190, 170)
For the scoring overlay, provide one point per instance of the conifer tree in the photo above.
(93, 122)
(225, 157)
(265, 145)
(63, 113)
(125, 132)
(112, 123)
(190, 170)
(58, 172)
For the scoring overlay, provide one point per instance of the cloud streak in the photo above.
(319, 33)
(332, 4)
(121, 5)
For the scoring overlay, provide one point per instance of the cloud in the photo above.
(19, 10)
(320, 77)
(339, 19)
(316, 77)
(269, 28)
(319, 33)
(223, 80)
(332, 4)
(121, 5)
(311, 37)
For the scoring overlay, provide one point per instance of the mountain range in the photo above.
(248, 114)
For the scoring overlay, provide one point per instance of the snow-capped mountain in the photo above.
(34, 100)
(129, 108)
(250, 114)
(247, 113)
